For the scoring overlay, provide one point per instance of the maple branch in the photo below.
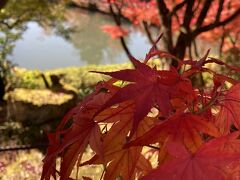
(149, 35)
(197, 6)
(185, 37)
(178, 20)
(188, 14)
(231, 39)
(177, 7)
(117, 19)
(221, 43)
(163, 10)
(115, 16)
(195, 48)
(214, 25)
(220, 8)
(190, 51)
(3, 3)
(203, 13)
(154, 147)
(165, 17)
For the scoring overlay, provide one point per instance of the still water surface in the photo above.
(87, 44)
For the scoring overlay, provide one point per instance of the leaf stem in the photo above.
(154, 147)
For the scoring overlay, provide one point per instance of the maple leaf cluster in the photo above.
(114, 31)
(193, 131)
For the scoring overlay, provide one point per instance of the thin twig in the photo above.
(154, 147)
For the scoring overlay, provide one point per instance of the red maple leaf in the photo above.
(71, 142)
(229, 113)
(184, 127)
(207, 163)
(149, 87)
(121, 162)
(114, 31)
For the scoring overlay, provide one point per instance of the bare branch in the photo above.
(197, 6)
(220, 8)
(195, 48)
(214, 25)
(163, 10)
(117, 19)
(166, 21)
(154, 147)
(178, 20)
(3, 3)
(178, 7)
(149, 35)
(221, 43)
(188, 14)
(203, 13)
(115, 16)
(190, 51)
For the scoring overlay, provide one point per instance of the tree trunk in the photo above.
(3, 3)
(2, 82)
(2, 89)
(184, 41)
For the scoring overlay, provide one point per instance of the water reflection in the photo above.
(94, 46)
(15, 17)
(38, 50)
(51, 36)
(43, 48)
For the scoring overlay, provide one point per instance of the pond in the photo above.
(44, 48)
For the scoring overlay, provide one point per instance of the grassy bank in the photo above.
(75, 76)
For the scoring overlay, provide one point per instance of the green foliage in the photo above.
(30, 79)
(78, 77)
(82, 77)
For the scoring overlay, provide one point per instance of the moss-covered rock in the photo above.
(39, 97)
(33, 106)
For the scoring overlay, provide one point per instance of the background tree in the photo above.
(182, 22)
(2, 89)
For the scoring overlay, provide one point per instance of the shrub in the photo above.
(78, 77)
(193, 130)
